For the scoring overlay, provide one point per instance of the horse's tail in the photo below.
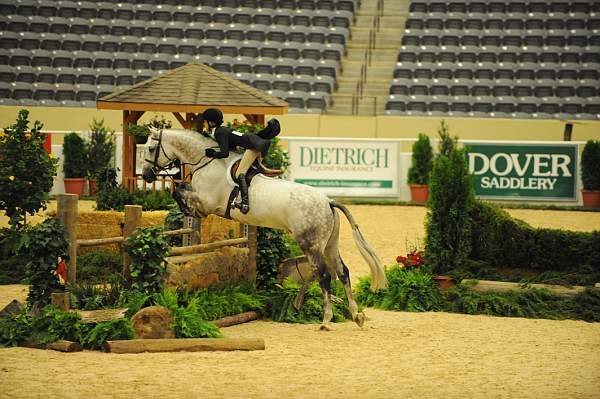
(378, 279)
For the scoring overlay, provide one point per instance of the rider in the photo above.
(228, 139)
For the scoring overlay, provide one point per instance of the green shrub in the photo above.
(448, 223)
(189, 322)
(14, 329)
(154, 201)
(590, 165)
(75, 155)
(93, 336)
(422, 156)
(280, 304)
(93, 296)
(147, 249)
(53, 324)
(411, 290)
(111, 196)
(26, 170)
(215, 303)
(47, 244)
(99, 266)
(499, 240)
(13, 255)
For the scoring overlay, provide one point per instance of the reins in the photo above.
(156, 168)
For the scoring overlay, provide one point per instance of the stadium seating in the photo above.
(70, 53)
(499, 58)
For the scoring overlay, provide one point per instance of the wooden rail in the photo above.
(201, 248)
(119, 239)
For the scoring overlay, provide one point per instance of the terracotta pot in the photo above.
(140, 139)
(419, 193)
(444, 282)
(591, 198)
(93, 186)
(74, 185)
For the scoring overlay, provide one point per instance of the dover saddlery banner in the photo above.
(523, 171)
(345, 167)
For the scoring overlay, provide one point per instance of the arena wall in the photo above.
(313, 125)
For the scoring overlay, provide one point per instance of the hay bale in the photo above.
(153, 322)
(226, 266)
(215, 228)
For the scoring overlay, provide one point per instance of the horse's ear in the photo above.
(154, 131)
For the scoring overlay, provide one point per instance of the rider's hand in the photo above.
(210, 152)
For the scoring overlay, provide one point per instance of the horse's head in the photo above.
(156, 158)
(164, 147)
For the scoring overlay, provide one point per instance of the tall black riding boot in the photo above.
(244, 206)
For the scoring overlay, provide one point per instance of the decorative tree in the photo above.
(448, 222)
(422, 155)
(75, 156)
(101, 147)
(590, 165)
(26, 170)
(446, 143)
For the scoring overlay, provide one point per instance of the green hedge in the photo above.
(499, 240)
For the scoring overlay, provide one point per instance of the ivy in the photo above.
(147, 249)
(47, 245)
(272, 249)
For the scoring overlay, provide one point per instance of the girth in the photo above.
(256, 168)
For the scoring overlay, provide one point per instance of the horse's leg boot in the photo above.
(244, 206)
(185, 209)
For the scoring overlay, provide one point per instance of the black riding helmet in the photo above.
(213, 115)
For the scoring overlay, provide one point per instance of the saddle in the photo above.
(256, 169)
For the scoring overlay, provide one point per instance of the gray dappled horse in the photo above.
(299, 209)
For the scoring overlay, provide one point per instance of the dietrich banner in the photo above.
(524, 171)
(343, 167)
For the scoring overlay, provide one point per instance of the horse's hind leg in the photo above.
(324, 275)
(332, 254)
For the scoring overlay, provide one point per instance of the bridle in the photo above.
(156, 168)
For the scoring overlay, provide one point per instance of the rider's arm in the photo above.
(222, 137)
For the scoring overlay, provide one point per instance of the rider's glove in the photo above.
(210, 152)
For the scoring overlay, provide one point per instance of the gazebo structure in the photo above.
(186, 92)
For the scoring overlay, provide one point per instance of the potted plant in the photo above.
(590, 174)
(418, 174)
(101, 150)
(140, 133)
(74, 163)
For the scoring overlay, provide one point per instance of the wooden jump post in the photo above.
(66, 212)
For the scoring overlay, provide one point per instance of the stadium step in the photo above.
(379, 72)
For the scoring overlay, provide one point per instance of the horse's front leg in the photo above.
(188, 201)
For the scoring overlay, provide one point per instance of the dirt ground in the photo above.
(396, 354)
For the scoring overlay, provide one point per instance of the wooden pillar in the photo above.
(189, 122)
(61, 300)
(253, 247)
(133, 220)
(67, 214)
(128, 151)
(256, 119)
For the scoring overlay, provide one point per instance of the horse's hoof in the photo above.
(244, 208)
(325, 327)
(360, 319)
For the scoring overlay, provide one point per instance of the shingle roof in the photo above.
(192, 88)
